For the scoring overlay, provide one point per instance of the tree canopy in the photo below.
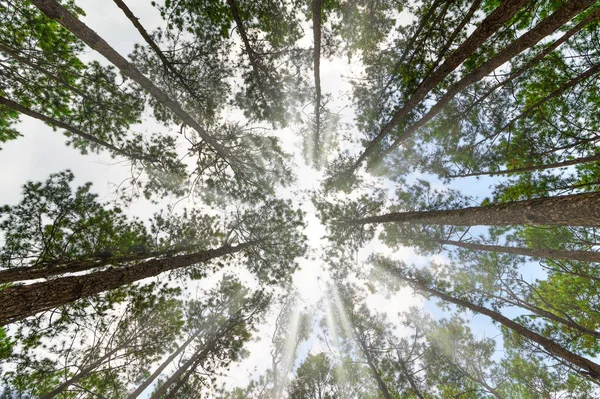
(321, 199)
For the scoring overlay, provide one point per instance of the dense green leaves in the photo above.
(466, 114)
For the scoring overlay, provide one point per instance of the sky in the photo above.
(42, 151)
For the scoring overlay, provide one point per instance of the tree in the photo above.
(423, 282)
(554, 211)
(99, 352)
(226, 321)
(313, 379)
(44, 78)
(262, 243)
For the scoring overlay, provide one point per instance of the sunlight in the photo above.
(335, 346)
(289, 350)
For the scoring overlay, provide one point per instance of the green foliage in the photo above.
(418, 89)
(54, 224)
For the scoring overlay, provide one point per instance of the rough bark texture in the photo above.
(34, 272)
(50, 269)
(527, 40)
(568, 210)
(585, 256)
(86, 136)
(490, 25)
(585, 366)
(138, 391)
(22, 301)
(55, 11)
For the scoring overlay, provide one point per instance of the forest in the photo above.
(300, 199)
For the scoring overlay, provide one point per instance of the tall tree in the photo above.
(62, 15)
(568, 210)
(248, 232)
(423, 282)
(227, 321)
(101, 352)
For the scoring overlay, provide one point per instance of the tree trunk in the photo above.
(140, 28)
(316, 18)
(504, 12)
(57, 12)
(410, 45)
(49, 269)
(545, 28)
(585, 256)
(570, 33)
(518, 302)
(138, 391)
(576, 161)
(474, 7)
(184, 378)
(385, 392)
(409, 377)
(585, 367)
(86, 136)
(22, 301)
(254, 63)
(183, 373)
(167, 65)
(82, 374)
(567, 210)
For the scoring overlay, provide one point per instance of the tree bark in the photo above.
(316, 18)
(57, 12)
(140, 28)
(531, 168)
(474, 7)
(411, 381)
(86, 136)
(504, 12)
(570, 33)
(138, 391)
(568, 210)
(49, 269)
(585, 367)
(545, 28)
(516, 301)
(22, 301)
(183, 373)
(410, 45)
(585, 256)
